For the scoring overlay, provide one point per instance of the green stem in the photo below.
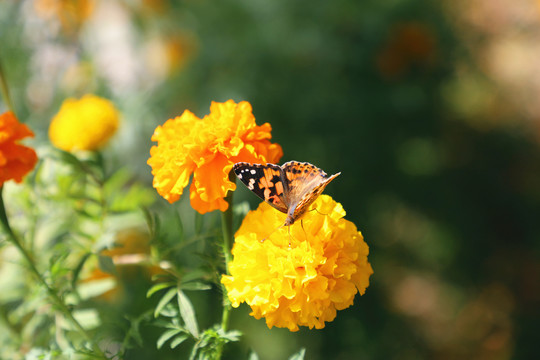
(5, 90)
(227, 228)
(52, 294)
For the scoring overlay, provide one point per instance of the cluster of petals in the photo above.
(84, 124)
(208, 148)
(16, 160)
(299, 276)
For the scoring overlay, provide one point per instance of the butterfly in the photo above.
(290, 188)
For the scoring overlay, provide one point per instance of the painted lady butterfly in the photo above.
(290, 188)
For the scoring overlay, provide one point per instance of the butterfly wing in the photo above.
(306, 182)
(266, 181)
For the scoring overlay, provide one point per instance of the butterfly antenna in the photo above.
(315, 209)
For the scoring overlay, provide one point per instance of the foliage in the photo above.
(428, 109)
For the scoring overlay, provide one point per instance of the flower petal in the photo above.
(301, 277)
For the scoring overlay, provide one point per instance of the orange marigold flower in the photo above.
(85, 124)
(70, 13)
(208, 148)
(15, 160)
(306, 282)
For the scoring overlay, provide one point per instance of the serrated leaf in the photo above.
(178, 340)
(299, 355)
(164, 301)
(188, 314)
(166, 336)
(158, 287)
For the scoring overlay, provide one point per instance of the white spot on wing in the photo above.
(253, 172)
(251, 183)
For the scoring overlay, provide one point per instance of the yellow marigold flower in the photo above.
(85, 124)
(15, 160)
(306, 282)
(208, 148)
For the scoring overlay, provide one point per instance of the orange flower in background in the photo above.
(70, 13)
(85, 124)
(15, 160)
(208, 148)
(410, 44)
(299, 278)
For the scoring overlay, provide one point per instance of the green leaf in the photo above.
(164, 301)
(299, 355)
(194, 274)
(188, 314)
(78, 269)
(166, 336)
(170, 311)
(253, 356)
(159, 286)
(150, 222)
(178, 340)
(107, 265)
(195, 285)
(233, 335)
(180, 226)
(96, 287)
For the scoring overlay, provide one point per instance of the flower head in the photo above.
(85, 124)
(15, 160)
(208, 148)
(71, 14)
(306, 282)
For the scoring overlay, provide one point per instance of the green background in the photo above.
(439, 154)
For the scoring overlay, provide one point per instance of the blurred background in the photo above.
(429, 109)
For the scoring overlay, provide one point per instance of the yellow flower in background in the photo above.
(85, 124)
(306, 282)
(15, 160)
(208, 148)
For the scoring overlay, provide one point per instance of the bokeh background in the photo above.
(429, 109)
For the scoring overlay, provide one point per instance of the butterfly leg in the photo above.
(275, 231)
(305, 233)
(289, 231)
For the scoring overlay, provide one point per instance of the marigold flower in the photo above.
(85, 124)
(15, 160)
(70, 13)
(306, 282)
(208, 148)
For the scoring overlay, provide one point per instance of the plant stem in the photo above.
(227, 228)
(52, 294)
(5, 90)
(226, 225)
